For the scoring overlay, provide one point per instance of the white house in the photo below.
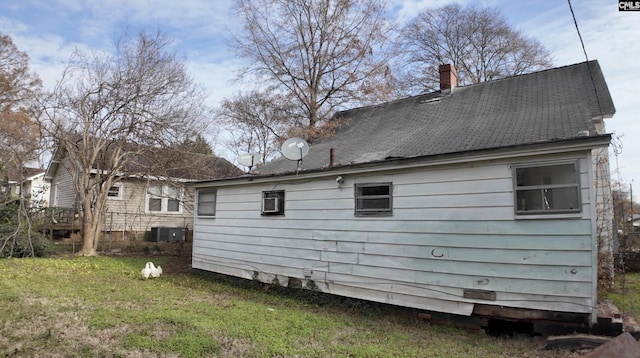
(150, 195)
(29, 183)
(35, 187)
(488, 200)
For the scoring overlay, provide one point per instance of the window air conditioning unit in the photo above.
(270, 205)
(168, 234)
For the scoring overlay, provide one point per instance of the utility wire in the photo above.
(593, 83)
(595, 89)
(578, 30)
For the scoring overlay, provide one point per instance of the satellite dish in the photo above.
(295, 148)
(249, 159)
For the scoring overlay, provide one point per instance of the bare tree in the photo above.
(107, 109)
(321, 54)
(478, 42)
(624, 207)
(256, 121)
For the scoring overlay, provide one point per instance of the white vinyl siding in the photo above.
(63, 195)
(453, 228)
(132, 214)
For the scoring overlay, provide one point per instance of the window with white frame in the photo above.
(116, 191)
(164, 199)
(373, 199)
(207, 202)
(56, 195)
(273, 202)
(173, 199)
(548, 188)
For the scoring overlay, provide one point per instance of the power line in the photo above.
(578, 30)
(593, 83)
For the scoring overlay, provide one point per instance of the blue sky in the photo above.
(50, 30)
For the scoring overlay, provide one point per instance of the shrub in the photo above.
(24, 243)
(17, 238)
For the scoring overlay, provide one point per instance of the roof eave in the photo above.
(515, 151)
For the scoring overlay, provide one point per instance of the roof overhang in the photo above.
(35, 176)
(516, 151)
(53, 165)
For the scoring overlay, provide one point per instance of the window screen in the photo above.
(207, 203)
(544, 189)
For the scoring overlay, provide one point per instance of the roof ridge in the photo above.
(439, 93)
(531, 73)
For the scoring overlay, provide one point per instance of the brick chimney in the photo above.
(448, 77)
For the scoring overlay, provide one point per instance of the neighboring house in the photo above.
(489, 200)
(29, 183)
(139, 202)
(635, 223)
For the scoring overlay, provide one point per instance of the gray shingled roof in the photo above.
(174, 163)
(162, 162)
(546, 106)
(12, 174)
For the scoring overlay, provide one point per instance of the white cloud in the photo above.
(218, 79)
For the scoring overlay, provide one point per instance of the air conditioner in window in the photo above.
(270, 205)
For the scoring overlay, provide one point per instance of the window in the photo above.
(547, 188)
(155, 198)
(164, 198)
(273, 202)
(207, 202)
(56, 195)
(374, 199)
(173, 199)
(115, 192)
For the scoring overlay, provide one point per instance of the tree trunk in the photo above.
(313, 113)
(91, 229)
(90, 239)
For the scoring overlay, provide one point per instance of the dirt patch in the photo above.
(177, 264)
(127, 248)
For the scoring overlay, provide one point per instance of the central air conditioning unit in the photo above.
(270, 205)
(168, 234)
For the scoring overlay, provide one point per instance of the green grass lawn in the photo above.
(100, 306)
(626, 294)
